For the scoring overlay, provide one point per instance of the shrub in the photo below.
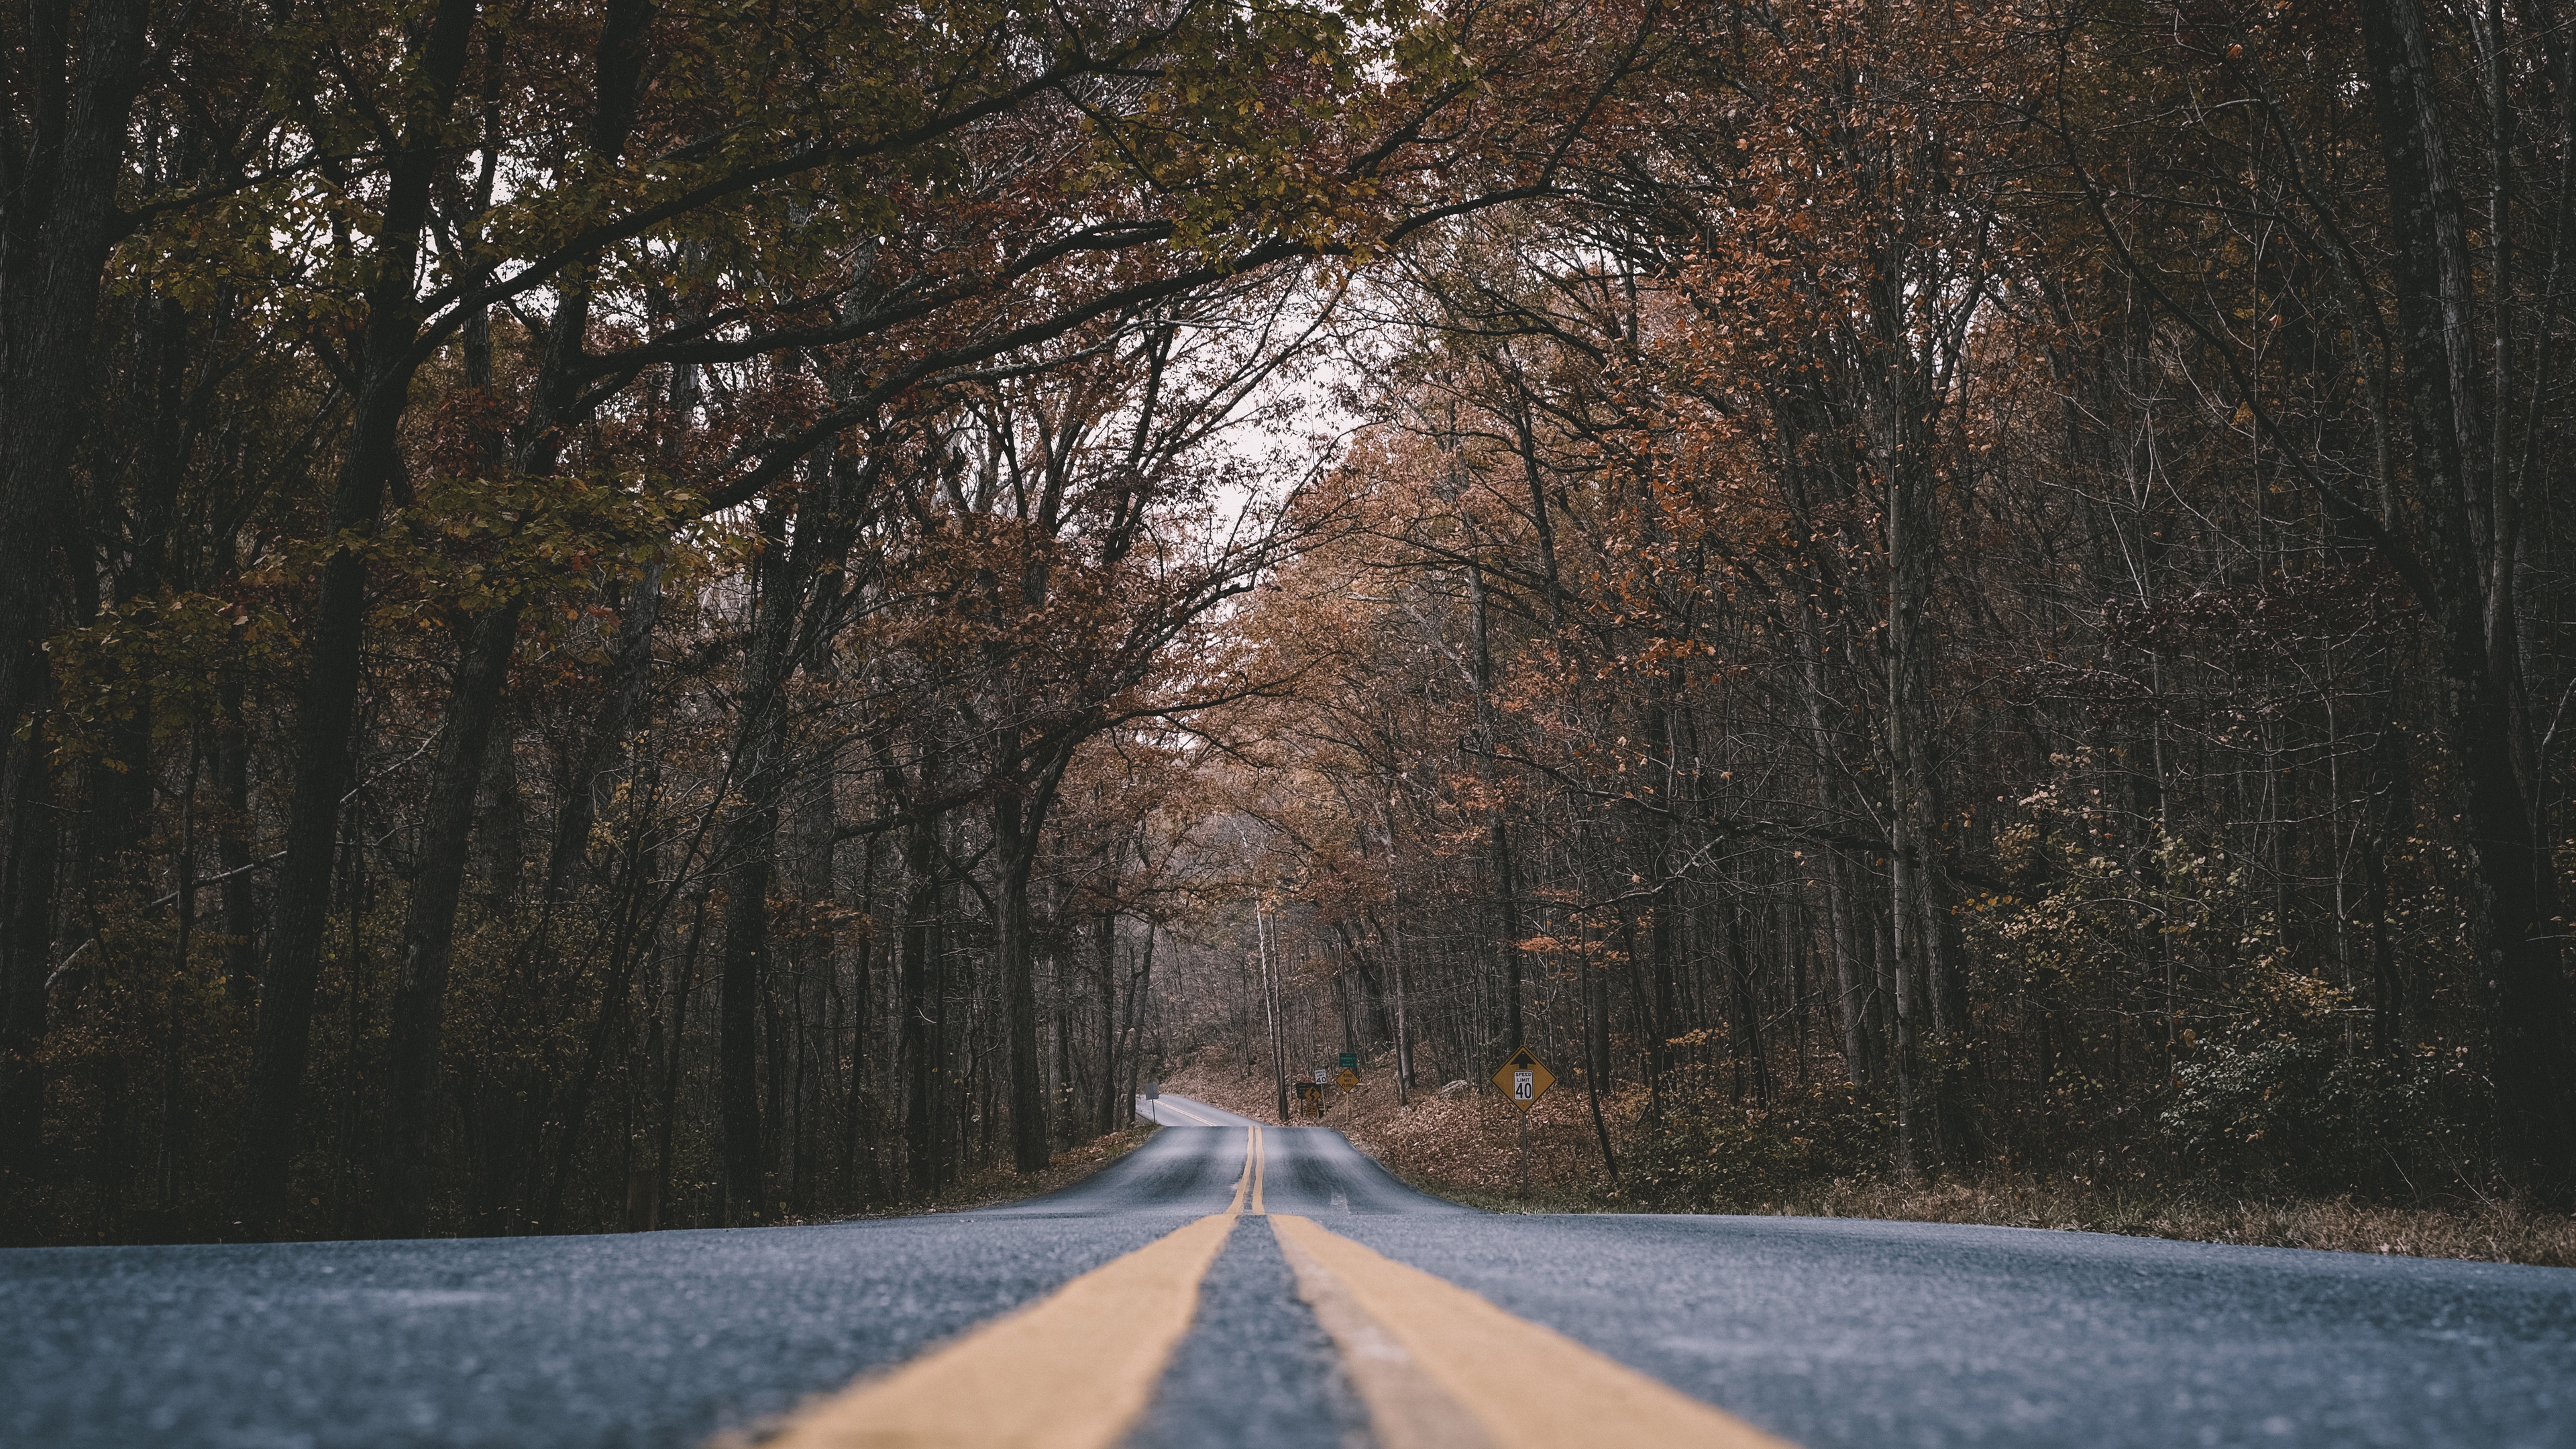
(2273, 1109)
(1719, 1157)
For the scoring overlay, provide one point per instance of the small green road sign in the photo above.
(1350, 1061)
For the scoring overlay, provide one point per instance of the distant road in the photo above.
(1227, 1286)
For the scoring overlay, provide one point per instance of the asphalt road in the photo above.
(1828, 1333)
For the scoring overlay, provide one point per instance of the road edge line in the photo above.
(1195, 1119)
(1523, 1382)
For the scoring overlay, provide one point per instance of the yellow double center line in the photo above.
(1439, 1367)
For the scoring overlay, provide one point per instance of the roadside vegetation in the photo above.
(995, 1184)
(624, 614)
(1462, 1146)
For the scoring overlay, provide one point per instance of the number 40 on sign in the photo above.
(1523, 1080)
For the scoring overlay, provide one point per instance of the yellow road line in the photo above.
(1521, 1383)
(1251, 1171)
(1072, 1371)
(1407, 1409)
(1260, 1160)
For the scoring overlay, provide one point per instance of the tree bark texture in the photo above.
(2507, 891)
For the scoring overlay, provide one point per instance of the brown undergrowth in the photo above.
(1461, 1145)
(997, 1184)
(2494, 1230)
(1459, 1142)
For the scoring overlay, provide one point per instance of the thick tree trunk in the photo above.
(1596, 1065)
(56, 227)
(1017, 816)
(749, 846)
(232, 847)
(335, 638)
(26, 953)
(1926, 992)
(1104, 953)
(429, 934)
(58, 219)
(471, 779)
(2508, 888)
(119, 798)
(785, 578)
(303, 904)
(1750, 1046)
(609, 1034)
(861, 1125)
(621, 713)
(1851, 978)
(1498, 836)
(1663, 946)
(816, 965)
(919, 1041)
(497, 850)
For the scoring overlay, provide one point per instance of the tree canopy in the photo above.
(627, 614)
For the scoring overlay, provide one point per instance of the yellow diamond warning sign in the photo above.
(1523, 1080)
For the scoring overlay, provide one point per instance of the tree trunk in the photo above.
(621, 713)
(1914, 872)
(429, 934)
(918, 1006)
(1017, 814)
(2507, 888)
(60, 222)
(335, 639)
(749, 846)
(1596, 1065)
(1104, 950)
(27, 915)
(1497, 828)
(232, 847)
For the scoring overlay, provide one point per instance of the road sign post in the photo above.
(1522, 1081)
(1310, 1097)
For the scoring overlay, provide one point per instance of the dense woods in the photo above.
(625, 614)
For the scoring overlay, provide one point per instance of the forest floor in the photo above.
(1459, 1143)
(994, 1185)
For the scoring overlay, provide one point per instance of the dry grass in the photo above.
(2492, 1231)
(1462, 1147)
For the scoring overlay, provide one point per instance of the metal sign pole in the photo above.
(1522, 1080)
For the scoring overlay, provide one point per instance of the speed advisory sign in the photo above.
(1523, 1080)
